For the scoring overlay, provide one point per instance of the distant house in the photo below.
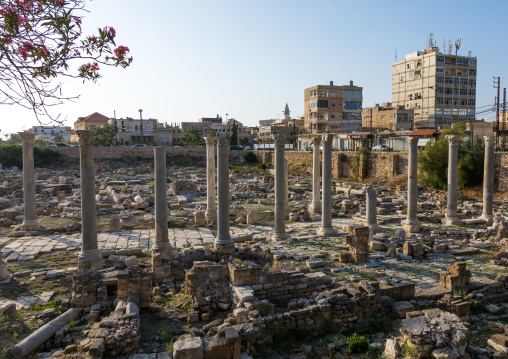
(84, 123)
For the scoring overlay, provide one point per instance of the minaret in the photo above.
(286, 112)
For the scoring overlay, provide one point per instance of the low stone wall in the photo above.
(143, 152)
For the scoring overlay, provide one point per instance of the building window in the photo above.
(471, 102)
(382, 118)
(332, 116)
(391, 118)
(472, 83)
(472, 92)
(332, 105)
(462, 62)
(463, 92)
(448, 80)
(472, 62)
(439, 58)
(439, 69)
(472, 72)
(332, 93)
(402, 78)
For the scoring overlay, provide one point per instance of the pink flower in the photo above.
(94, 38)
(77, 53)
(6, 40)
(59, 2)
(22, 19)
(120, 51)
(78, 20)
(23, 52)
(112, 30)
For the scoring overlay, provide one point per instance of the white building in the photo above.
(48, 133)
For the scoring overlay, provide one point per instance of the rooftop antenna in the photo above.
(457, 45)
(432, 43)
(395, 55)
(449, 47)
(469, 53)
(444, 46)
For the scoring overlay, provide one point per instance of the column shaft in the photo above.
(488, 180)
(411, 224)
(279, 231)
(211, 211)
(315, 206)
(453, 156)
(30, 222)
(89, 257)
(223, 243)
(161, 201)
(326, 210)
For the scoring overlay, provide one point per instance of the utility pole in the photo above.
(141, 126)
(498, 86)
(503, 133)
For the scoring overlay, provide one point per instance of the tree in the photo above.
(192, 138)
(212, 132)
(58, 139)
(234, 134)
(39, 41)
(433, 160)
(39, 142)
(104, 135)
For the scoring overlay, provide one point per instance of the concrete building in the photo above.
(387, 117)
(289, 127)
(84, 123)
(479, 129)
(134, 131)
(333, 109)
(440, 88)
(48, 133)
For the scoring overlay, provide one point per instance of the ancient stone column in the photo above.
(161, 202)
(223, 243)
(453, 157)
(326, 228)
(30, 222)
(211, 211)
(371, 204)
(90, 257)
(315, 206)
(488, 180)
(411, 224)
(286, 187)
(279, 230)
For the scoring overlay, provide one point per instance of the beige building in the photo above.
(333, 109)
(478, 129)
(84, 123)
(440, 88)
(387, 117)
(290, 127)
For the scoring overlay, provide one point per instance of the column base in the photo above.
(411, 226)
(30, 225)
(90, 260)
(489, 218)
(315, 208)
(326, 232)
(224, 249)
(375, 227)
(162, 248)
(210, 215)
(279, 236)
(451, 221)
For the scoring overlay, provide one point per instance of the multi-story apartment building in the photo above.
(48, 133)
(333, 109)
(441, 88)
(134, 131)
(387, 117)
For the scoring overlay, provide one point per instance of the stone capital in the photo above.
(489, 141)
(210, 141)
(85, 137)
(316, 141)
(327, 139)
(453, 140)
(279, 140)
(413, 141)
(27, 137)
(224, 140)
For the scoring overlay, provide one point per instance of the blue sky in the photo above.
(248, 58)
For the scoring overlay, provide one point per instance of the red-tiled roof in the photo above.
(423, 133)
(94, 118)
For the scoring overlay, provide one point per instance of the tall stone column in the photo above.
(90, 257)
(223, 243)
(371, 204)
(161, 202)
(279, 230)
(326, 228)
(315, 206)
(453, 158)
(30, 222)
(286, 187)
(211, 211)
(411, 224)
(488, 180)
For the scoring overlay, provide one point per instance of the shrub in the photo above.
(357, 343)
(250, 157)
